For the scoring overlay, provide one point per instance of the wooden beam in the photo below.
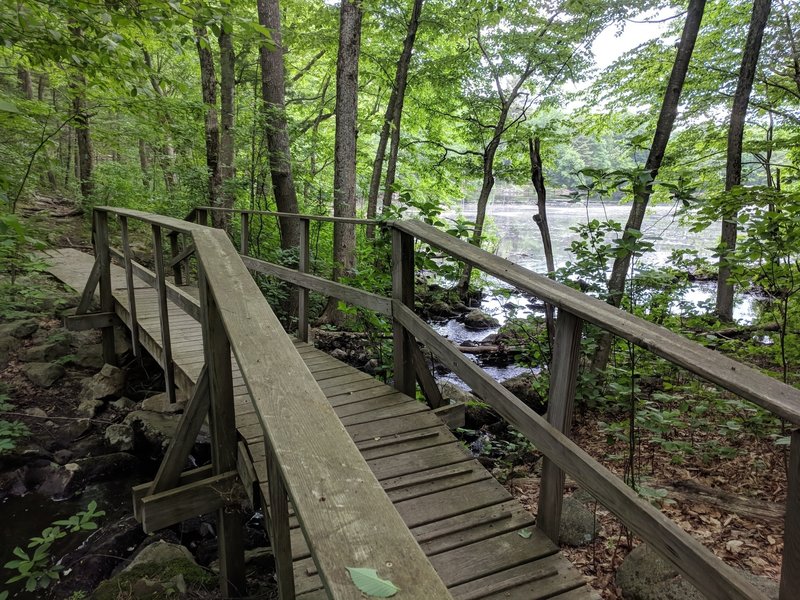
(694, 561)
(133, 323)
(303, 267)
(106, 297)
(175, 252)
(790, 569)
(426, 381)
(244, 241)
(163, 315)
(403, 293)
(88, 291)
(90, 321)
(453, 415)
(280, 539)
(564, 366)
(167, 508)
(181, 256)
(143, 489)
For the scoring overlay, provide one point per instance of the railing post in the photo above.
(303, 267)
(403, 292)
(126, 251)
(175, 250)
(202, 216)
(279, 537)
(106, 298)
(790, 569)
(560, 407)
(244, 245)
(163, 315)
(222, 424)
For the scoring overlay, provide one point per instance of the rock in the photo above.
(159, 552)
(19, 329)
(122, 404)
(89, 356)
(477, 319)
(89, 408)
(43, 375)
(644, 575)
(160, 403)
(451, 393)
(72, 430)
(47, 352)
(439, 308)
(339, 354)
(63, 456)
(156, 429)
(261, 558)
(35, 412)
(97, 468)
(524, 387)
(578, 525)
(109, 382)
(119, 437)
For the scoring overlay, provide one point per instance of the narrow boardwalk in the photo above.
(466, 523)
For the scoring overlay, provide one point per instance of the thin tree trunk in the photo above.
(344, 169)
(25, 83)
(733, 166)
(41, 87)
(643, 190)
(85, 159)
(209, 88)
(144, 164)
(68, 159)
(227, 140)
(167, 158)
(394, 112)
(273, 90)
(540, 218)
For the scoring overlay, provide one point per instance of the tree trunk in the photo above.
(41, 87)
(643, 190)
(144, 164)
(209, 87)
(84, 160)
(391, 122)
(540, 218)
(344, 173)
(273, 90)
(733, 166)
(25, 83)
(167, 158)
(227, 142)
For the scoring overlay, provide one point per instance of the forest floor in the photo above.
(733, 506)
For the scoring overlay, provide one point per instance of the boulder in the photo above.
(89, 356)
(98, 468)
(477, 319)
(524, 387)
(46, 352)
(89, 408)
(159, 552)
(439, 308)
(35, 412)
(43, 375)
(122, 404)
(109, 382)
(160, 403)
(578, 525)
(70, 431)
(155, 429)
(644, 575)
(120, 437)
(453, 394)
(19, 329)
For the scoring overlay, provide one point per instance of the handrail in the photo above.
(271, 213)
(347, 518)
(692, 559)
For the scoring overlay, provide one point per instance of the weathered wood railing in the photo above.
(708, 573)
(344, 513)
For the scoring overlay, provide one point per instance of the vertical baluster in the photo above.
(175, 250)
(126, 252)
(245, 234)
(279, 527)
(560, 407)
(403, 291)
(163, 315)
(222, 424)
(202, 216)
(303, 267)
(106, 298)
(790, 570)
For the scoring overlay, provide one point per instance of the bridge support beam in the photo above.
(403, 291)
(790, 569)
(104, 268)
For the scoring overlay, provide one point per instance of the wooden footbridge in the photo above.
(352, 473)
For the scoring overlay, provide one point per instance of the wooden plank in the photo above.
(453, 415)
(339, 502)
(433, 481)
(387, 412)
(244, 234)
(564, 366)
(178, 257)
(106, 297)
(130, 291)
(343, 292)
(402, 293)
(222, 423)
(398, 425)
(790, 569)
(167, 508)
(749, 383)
(286, 215)
(303, 266)
(426, 381)
(180, 446)
(451, 502)
(371, 404)
(163, 315)
(279, 528)
(143, 489)
(418, 460)
(90, 321)
(344, 398)
(692, 559)
(89, 289)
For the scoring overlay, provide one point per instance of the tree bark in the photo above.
(41, 87)
(273, 91)
(144, 164)
(643, 190)
(25, 83)
(344, 169)
(733, 166)
(540, 218)
(85, 158)
(167, 158)
(209, 88)
(392, 119)
(227, 139)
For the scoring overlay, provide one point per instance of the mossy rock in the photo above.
(122, 585)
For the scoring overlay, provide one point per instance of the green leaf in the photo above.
(368, 582)
(8, 107)
(524, 533)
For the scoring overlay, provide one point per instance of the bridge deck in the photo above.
(467, 523)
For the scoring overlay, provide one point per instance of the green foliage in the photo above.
(10, 431)
(370, 584)
(17, 242)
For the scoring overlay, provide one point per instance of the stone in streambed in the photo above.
(46, 352)
(524, 387)
(109, 382)
(43, 375)
(120, 437)
(477, 319)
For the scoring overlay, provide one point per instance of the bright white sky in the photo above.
(608, 46)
